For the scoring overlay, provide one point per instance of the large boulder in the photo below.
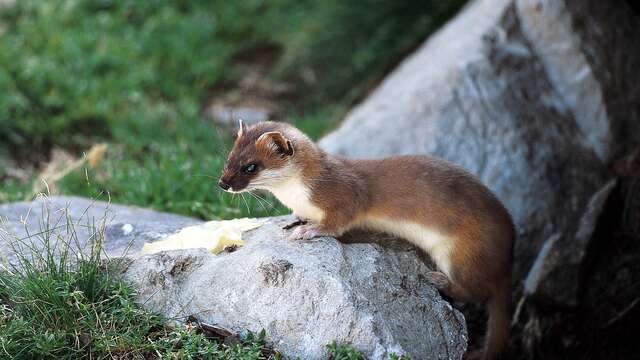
(305, 294)
(533, 96)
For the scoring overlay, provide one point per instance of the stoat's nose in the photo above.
(223, 185)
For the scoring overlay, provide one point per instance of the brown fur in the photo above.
(248, 150)
(420, 189)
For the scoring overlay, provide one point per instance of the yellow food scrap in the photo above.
(214, 236)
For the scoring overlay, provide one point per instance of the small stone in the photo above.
(229, 115)
(127, 229)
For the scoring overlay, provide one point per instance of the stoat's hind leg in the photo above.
(439, 280)
(442, 282)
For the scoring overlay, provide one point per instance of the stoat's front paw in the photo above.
(306, 232)
(297, 222)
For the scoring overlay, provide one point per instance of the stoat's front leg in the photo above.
(294, 223)
(333, 224)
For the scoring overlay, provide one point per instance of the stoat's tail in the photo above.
(499, 323)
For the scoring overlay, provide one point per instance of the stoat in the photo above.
(434, 204)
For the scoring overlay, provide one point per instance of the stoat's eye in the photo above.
(250, 169)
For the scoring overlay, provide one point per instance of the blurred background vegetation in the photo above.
(141, 76)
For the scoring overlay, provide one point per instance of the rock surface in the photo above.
(556, 274)
(532, 96)
(304, 294)
(307, 294)
(127, 228)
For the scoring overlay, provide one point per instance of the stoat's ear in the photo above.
(276, 142)
(242, 128)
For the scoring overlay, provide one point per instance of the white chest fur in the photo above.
(295, 195)
(432, 242)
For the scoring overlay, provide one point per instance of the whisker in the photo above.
(261, 198)
(259, 202)
(204, 175)
(262, 201)
(246, 203)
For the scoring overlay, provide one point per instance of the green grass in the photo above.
(348, 46)
(344, 352)
(131, 73)
(181, 178)
(136, 74)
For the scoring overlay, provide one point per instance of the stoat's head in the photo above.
(263, 157)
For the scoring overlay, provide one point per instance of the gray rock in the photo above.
(306, 294)
(555, 276)
(229, 115)
(126, 228)
(533, 96)
(535, 277)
